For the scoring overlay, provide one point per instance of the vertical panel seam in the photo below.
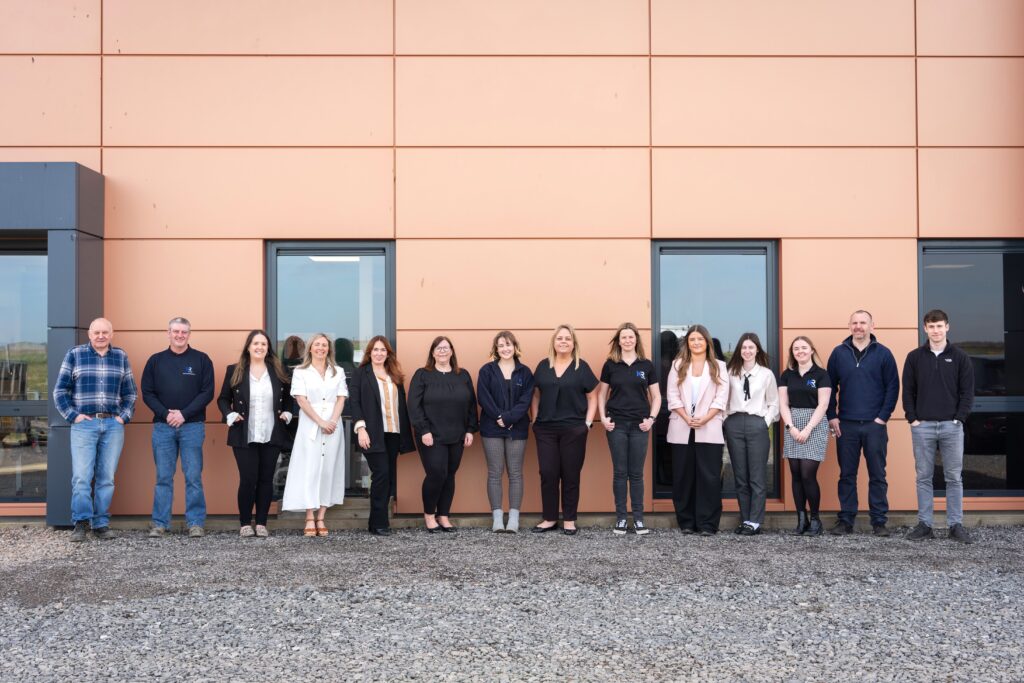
(650, 121)
(917, 134)
(394, 119)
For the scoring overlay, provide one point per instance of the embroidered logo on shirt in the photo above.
(812, 383)
(948, 360)
(641, 374)
(188, 371)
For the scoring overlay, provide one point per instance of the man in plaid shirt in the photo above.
(95, 392)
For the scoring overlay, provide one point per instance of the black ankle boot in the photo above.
(814, 527)
(801, 524)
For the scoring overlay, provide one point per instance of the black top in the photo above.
(178, 381)
(802, 390)
(939, 387)
(630, 385)
(442, 404)
(563, 400)
(858, 353)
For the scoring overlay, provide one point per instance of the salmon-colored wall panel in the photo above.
(136, 474)
(784, 192)
(472, 348)
(976, 101)
(972, 192)
(268, 193)
(260, 27)
(50, 101)
(523, 192)
(979, 27)
(782, 27)
(147, 282)
(86, 156)
(247, 101)
(453, 284)
(824, 281)
(54, 26)
(487, 27)
(522, 101)
(769, 101)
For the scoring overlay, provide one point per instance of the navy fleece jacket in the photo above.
(865, 389)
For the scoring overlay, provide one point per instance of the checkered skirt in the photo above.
(814, 448)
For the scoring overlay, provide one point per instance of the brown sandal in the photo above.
(310, 529)
(321, 528)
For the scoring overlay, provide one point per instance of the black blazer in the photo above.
(236, 400)
(364, 401)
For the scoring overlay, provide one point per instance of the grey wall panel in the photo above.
(90, 201)
(58, 477)
(58, 341)
(38, 196)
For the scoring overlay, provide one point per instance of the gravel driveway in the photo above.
(477, 606)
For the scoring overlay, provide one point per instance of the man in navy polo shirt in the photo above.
(177, 385)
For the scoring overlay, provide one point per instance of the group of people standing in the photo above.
(711, 404)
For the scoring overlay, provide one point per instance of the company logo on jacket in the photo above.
(188, 371)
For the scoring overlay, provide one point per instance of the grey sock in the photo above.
(499, 520)
(513, 521)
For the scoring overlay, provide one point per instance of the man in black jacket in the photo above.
(938, 392)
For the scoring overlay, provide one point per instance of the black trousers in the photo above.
(256, 465)
(560, 453)
(382, 479)
(440, 462)
(697, 484)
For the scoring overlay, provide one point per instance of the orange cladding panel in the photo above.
(54, 26)
(824, 281)
(262, 27)
(979, 27)
(971, 101)
(972, 192)
(249, 193)
(49, 101)
(778, 101)
(487, 27)
(782, 27)
(522, 101)
(86, 156)
(266, 101)
(523, 192)
(150, 281)
(453, 284)
(784, 193)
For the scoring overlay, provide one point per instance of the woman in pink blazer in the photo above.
(698, 393)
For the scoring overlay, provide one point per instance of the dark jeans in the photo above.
(440, 462)
(560, 454)
(873, 438)
(747, 437)
(628, 446)
(382, 479)
(256, 464)
(697, 484)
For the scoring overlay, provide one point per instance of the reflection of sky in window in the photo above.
(342, 296)
(23, 298)
(969, 288)
(723, 292)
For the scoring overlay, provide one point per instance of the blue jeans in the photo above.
(168, 442)
(95, 449)
(873, 438)
(628, 446)
(930, 438)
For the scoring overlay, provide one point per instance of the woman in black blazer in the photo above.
(381, 423)
(256, 405)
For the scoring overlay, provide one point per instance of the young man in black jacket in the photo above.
(938, 392)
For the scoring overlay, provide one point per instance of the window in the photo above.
(981, 286)
(343, 289)
(24, 429)
(730, 288)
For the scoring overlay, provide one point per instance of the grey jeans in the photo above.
(930, 439)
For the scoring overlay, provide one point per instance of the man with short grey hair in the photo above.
(177, 385)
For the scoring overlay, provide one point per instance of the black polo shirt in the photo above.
(563, 400)
(802, 390)
(630, 384)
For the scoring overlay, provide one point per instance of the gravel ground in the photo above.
(477, 606)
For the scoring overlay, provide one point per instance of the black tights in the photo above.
(805, 484)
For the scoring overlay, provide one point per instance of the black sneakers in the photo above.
(639, 529)
(80, 532)
(620, 527)
(880, 530)
(920, 532)
(841, 528)
(959, 534)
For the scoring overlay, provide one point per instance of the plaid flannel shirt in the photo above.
(90, 383)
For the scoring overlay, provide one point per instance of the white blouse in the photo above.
(261, 408)
(764, 394)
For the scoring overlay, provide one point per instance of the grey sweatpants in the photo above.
(502, 453)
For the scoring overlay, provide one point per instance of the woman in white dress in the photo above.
(316, 473)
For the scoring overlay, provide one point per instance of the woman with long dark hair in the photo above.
(698, 392)
(804, 391)
(442, 406)
(381, 422)
(753, 409)
(256, 406)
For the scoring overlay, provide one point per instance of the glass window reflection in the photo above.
(24, 329)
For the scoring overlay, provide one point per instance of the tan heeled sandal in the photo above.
(321, 528)
(310, 529)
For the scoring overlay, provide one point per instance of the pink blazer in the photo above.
(711, 396)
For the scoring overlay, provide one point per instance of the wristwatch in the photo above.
(958, 423)
(789, 426)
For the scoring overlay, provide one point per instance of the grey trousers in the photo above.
(501, 453)
(746, 436)
(948, 439)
